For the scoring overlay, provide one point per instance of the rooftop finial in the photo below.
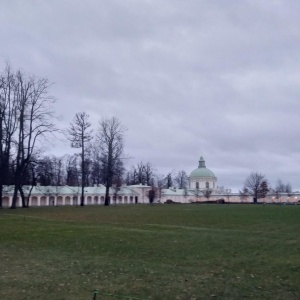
(202, 162)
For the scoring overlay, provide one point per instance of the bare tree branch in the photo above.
(80, 135)
(110, 141)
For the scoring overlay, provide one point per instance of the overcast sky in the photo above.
(188, 78)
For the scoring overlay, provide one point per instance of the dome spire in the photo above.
(202, 162)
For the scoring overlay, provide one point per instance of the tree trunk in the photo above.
(1, 193)
(17, 187)
(107, 201)
(82, 172)
(24, 204)
(14, 199)
(1, 162)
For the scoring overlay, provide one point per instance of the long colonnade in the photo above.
(58, 200)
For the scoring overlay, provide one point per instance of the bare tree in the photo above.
(72, 177)
(244, 193)
(34, 110)
(49, 170)
(32, 177)
(227, 194)
(117, 180)
(130, 178)
(283, 188)
(116, 189)
(197, 193)
(110, 138)
(169, 180)
(288, 189)
(149, 173)
(160, 184)
(57, 163)
(96, 174)
(279, 189)
(181, 180)
(141, 173)
(8, 124)
(207, 193)
(80, 135)
(256, 186)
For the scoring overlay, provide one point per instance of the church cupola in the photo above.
(202, 178)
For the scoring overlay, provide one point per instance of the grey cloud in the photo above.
(217, 78)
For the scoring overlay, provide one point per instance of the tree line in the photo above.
(26, 120)
(256, 186)
(27, 123)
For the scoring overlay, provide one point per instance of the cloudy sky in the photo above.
(188, 78)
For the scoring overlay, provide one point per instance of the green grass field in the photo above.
(151, 252)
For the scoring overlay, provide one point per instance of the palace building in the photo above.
(202, 187)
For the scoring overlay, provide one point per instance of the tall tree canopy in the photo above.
(256, 185)
(80, 135)
(26, 120)
(111, 144)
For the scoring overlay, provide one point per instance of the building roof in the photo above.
(177, 192)
(69, 190)
(202, 171)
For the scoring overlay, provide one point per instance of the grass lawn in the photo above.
(151, 252)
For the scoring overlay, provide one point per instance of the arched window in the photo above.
(207, 185)
(197, 185)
